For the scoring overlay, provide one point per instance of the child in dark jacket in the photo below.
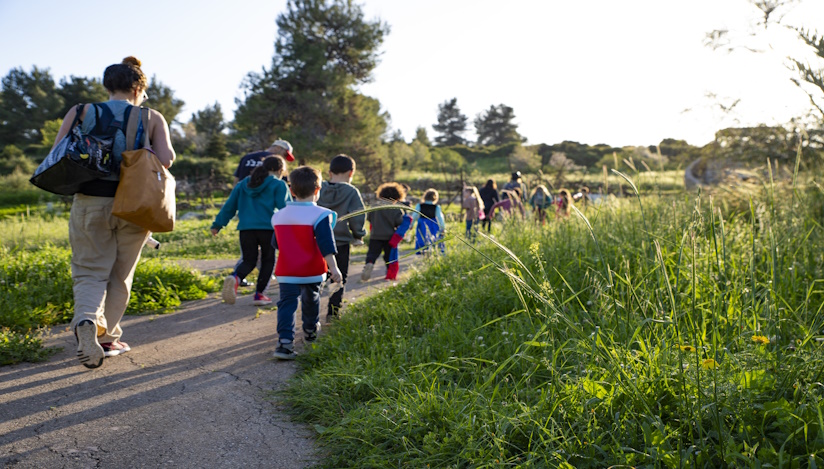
(304, 235)
(384, 223)
(340, 195)
(254, 199)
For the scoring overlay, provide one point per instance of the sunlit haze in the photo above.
(596, 71)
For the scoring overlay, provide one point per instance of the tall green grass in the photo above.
(36, 291)
(648, 332)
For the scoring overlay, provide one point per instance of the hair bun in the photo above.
(132, 60)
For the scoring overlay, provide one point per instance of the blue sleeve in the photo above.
(228, 210)
(415, 214)
(325, 237)
(404, 226)
(439, 216)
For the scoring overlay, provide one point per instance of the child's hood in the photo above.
(267, 185)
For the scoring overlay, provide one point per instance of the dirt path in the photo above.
(195, 391)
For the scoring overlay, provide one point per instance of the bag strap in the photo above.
(132, 127)
(145, 117)
(78, 111)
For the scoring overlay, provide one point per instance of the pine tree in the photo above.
(324, 49)
(451, 124)
(495, 127)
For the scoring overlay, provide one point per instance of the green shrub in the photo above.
(13, 158)
(196, 169)
(36, 289)
(16, 347)
(15, 189)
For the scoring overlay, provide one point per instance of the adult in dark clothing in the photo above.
(489, 195)
(251, 161)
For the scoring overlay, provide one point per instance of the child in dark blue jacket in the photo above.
(255, 199)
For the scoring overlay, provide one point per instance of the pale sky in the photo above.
(593, 71)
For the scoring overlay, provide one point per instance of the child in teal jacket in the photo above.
(255, 199)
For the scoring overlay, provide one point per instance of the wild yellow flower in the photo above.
(760, 339)
(687, 348)
(709, 364)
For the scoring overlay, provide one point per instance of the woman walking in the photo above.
(105, 249)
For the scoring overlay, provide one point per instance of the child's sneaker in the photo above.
(261, 300)
(89, 350)
(230, 284)
(285, 350)
(312, 336)
(111, 349)
(367, 272)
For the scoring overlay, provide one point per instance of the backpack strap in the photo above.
(105, 123)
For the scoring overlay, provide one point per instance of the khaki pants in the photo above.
(105, 251)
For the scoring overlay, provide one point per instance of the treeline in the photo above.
(309, 95)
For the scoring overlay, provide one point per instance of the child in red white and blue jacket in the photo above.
(304, 235)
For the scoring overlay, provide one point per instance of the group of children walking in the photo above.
(304, 221)
(299, 220)
(481, 206)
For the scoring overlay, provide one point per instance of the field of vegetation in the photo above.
(677, 331)
(663, 329)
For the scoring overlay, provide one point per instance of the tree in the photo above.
(522, 159)
(208, 137)
(325, 42)
(809, 78)
(495, 127)
(447, 160)
(216, 146)
(810, 75)
(186, 141)
(49, 132)
(28, 101)
(76, 90)
(451, 124)
(420, 136)
(421, 156)
(399, 155)
(209, 121)
(12, 159)
(397, 136)
(324, 48)
(162, 99)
